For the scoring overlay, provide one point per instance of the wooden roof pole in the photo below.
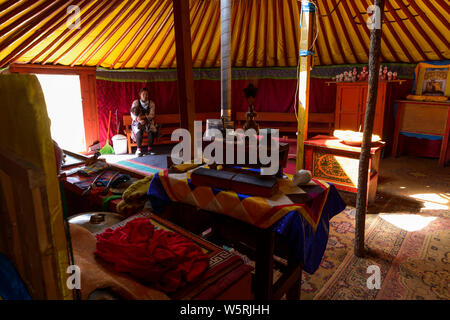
(41, 10)
(26, 27)
(283, 31)
(225, 66)
(395, 35)
(87, 14)
(8, 4)
(355, 28)
(169, 30)
(17, 10)
(334, 31)
(130, 27)
(405, 30)
(186, 96)
(374, 67)
(429, 23)
(294, 27)
(89, 30)
(136, 33)
(214, 26)
(363, 24)
(419, 28)
(325, 39)
(309, 10)
(42, 33)
(146, 34)
(257, 25)
(144, 38)
(246, 35)
(193, 35)
(344, 30)
(216, 12)
(98, 37)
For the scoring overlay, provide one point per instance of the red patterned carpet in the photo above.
(413, 264)
(408, 238)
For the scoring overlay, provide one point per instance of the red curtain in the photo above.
(274, 95)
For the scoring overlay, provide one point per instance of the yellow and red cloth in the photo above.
(301, 214)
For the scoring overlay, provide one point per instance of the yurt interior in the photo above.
(170, 149)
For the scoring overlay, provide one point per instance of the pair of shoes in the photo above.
(139, 153)
(150, 152)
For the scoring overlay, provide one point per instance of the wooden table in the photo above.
(428, 118)
(255, 226)
(331, 160)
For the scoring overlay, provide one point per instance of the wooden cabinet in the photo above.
(424, 118)
(351, 100)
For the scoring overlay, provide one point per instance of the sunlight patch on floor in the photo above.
(408, 222)
(114, 158)
(433, 201)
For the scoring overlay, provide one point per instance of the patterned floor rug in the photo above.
(412, 252)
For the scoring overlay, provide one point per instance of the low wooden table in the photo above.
(331, 160)
(284, 224)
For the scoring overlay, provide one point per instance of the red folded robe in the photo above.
(165, 259)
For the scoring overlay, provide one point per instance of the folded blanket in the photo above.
(96, 274)
(134, 197)
(164, 259)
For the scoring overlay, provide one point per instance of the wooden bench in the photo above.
(287, 122)
(321, 123)
(168, 123)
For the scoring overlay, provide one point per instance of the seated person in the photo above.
(143, 113)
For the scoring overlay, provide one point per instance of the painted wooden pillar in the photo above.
(374, 67)
(186, 97)
(306, 39)
(225, 66)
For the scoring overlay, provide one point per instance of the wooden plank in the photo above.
(186, 98)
